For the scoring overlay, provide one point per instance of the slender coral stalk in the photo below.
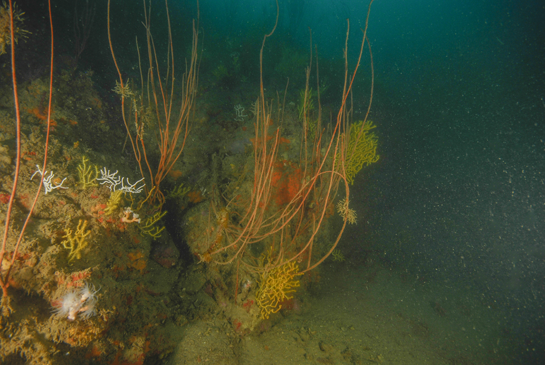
(4, 278)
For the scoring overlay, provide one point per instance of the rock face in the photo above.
(165, 253)
(5, 160)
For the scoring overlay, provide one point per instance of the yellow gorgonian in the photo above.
(5, 26)
(346, 212)
(361, 150)
(275, 286)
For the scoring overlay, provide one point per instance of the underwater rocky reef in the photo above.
(184, 194)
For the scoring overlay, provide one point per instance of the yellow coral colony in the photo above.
(123, 90)
(114, 202)
(346, 212)
(337, 256)
(275, 286)
(87, 177)
(178, 192)
(362, 149)
(150, 228)
(76, 242)
(5, 27)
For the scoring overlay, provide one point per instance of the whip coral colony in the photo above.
(77, 301)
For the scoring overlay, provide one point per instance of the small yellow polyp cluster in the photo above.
(275, 287)
(75, 242)
(345, 212)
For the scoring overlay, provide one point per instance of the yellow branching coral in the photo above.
(346, 212)
(114, 202)
(337, 256)
(87, 177)
(5, 27)
(220, 73)
(150, 228)
(123, 90)
(305, 104)
(141, 202)
(178, 192)
(275, 286)
(362, 149)
(75, 242)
